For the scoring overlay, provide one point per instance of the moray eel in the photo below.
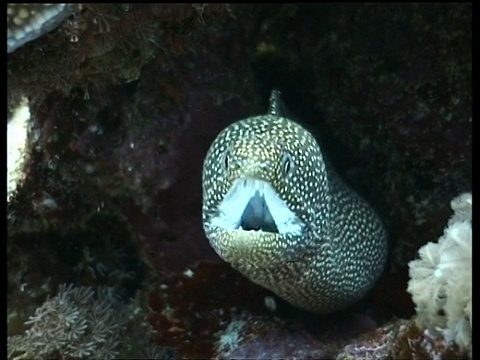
(277, 213)
(26, 22)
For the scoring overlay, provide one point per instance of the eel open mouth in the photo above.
(254, 205)
(257, 216)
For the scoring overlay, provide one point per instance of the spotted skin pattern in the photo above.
(342, 248)
(26, 22)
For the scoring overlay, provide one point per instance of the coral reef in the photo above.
(232, 319)
(82, 323)
(209, 290)
(399, 339)
(110, 138)
(238, 342)
(108, 154)
(102, 254)
(441, 279)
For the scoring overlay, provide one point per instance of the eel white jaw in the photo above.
(253, 205)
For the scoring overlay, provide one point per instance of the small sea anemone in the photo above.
(81, 322)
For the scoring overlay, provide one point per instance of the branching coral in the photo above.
(441, 279)
(82, 323)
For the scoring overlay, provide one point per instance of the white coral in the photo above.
(441, 279)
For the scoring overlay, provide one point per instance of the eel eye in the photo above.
(287, 164)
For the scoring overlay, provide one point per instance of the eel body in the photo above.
(277, 213)
(28, 21)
